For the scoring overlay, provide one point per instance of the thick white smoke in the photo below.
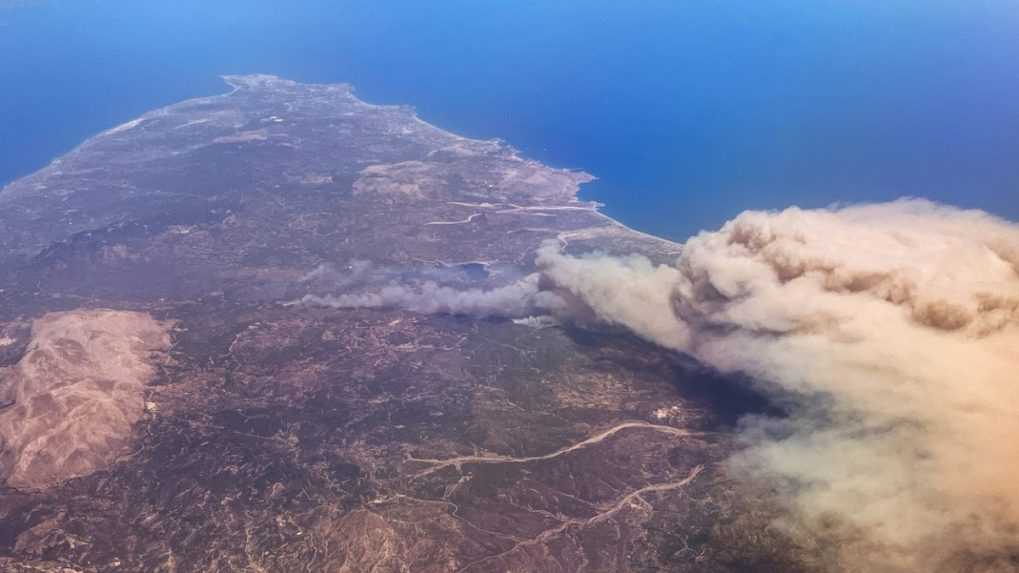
(520, 298)
(896, 326)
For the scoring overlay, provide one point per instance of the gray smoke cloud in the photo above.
(896, 328)
(516, 299)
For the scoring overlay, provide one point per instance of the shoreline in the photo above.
(269, 81)
(594, 206)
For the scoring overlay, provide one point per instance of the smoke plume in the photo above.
(894, 327)
(516, 299)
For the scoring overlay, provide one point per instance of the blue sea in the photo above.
(688, 111)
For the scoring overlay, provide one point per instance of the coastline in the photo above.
(238, 82)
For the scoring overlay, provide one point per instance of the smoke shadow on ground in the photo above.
(725, 399)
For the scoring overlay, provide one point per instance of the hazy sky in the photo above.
(688, 111)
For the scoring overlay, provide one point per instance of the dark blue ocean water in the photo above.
(688, 111)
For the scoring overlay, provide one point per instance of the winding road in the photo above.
(438, 464)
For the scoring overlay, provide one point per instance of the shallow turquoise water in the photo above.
(687, 111)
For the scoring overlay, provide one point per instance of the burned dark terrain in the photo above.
(256, 432)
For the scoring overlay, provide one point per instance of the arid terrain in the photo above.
(257, 332)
